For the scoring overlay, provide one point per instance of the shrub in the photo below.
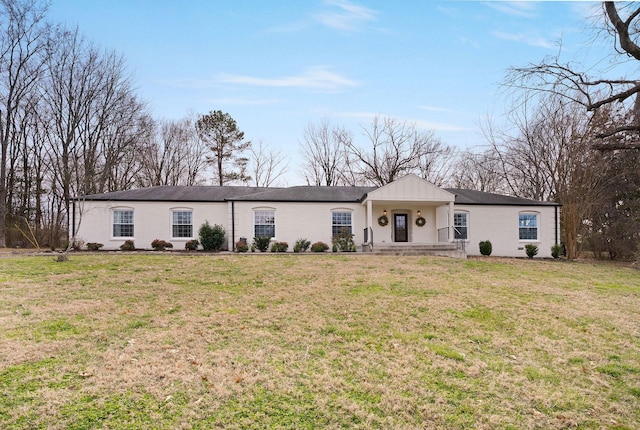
(531, 250)
(192, 245)
(261, 243)
(485, 247)
(94, 246)
(556, 250)
(160, 245)
(279, 247)
(301, 245)
(319, 247)
(76, 245)
(128, 245)
(211, 238)
(343, 241)
(241, 246)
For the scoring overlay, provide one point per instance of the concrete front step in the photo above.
(444, 249)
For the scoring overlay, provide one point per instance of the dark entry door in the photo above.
(400, 227)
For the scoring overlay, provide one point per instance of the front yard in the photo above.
(317, 341)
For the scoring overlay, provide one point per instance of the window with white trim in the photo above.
(341, 223)
(528, 226)
(122, 223)
(264, 223)
(182, 223)
(460, 227)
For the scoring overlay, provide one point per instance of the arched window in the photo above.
(341, 222)
(264, 222)
(461, 225)
(122, 222)
(181, 223)
(528, 226)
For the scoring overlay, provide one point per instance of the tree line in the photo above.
(71, 124)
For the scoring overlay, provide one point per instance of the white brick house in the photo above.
(407, 212)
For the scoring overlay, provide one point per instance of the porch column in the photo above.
(451, 235)
(369, 217)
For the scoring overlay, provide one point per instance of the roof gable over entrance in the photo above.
(411, 188)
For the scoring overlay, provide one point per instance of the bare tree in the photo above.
(549, 157)
(396, 148)
(437, 166)
(173, 155)
(479, 171)
(267, 165)
(324, 152)
(621, 25)
(22, 40)
(96, 120)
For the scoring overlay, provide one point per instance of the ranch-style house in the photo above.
(409, 215)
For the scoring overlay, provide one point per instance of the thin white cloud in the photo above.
(345, 15)
(315, 78)
(243, 102)
(527, 39)
(514, 8)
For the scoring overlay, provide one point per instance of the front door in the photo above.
(400, 228)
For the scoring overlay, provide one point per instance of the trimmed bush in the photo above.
(485, 247)
(128, 245)
(279, 247)
(531, 250)
(76, 245)
(241, 246)
(94, 246)
(301, 245)
(343, 241)
(556, 250)
(261, 243)
(160, 245)
(211, 237)
(192, 245)
(319, 247)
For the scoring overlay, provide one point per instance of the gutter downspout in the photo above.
(73, 219)
(233, 225)
(556, 217)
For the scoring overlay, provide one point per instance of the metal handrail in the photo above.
(368, 237)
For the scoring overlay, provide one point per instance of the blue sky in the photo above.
(275, 66)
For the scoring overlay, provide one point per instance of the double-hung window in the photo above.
(341, 223)
(460, 226)
(264, 223)
(182, 224)
(123, 223)
(528, 226)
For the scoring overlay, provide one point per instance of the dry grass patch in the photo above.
(288, 341)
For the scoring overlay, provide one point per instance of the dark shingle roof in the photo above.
(177, 194)
(473, 197)
(309, 194)
(291, 194)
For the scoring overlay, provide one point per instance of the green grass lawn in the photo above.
(317, 341)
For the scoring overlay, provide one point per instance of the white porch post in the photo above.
(369, 219)
(451, 222)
